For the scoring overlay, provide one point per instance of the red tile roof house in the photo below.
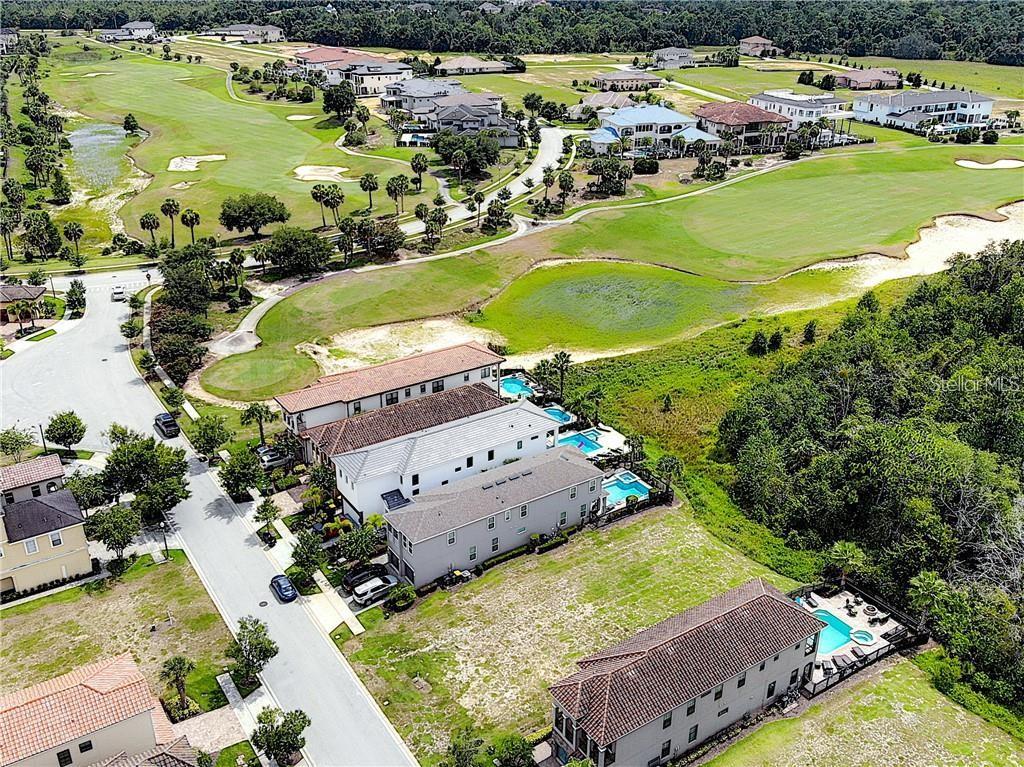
(671, 687)
(755, 45)
(868, 79)
(101, 713)
(746, 122)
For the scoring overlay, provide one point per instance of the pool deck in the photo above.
(617, 474)
(859, 621)
(608, 438)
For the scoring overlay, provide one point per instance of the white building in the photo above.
(371, 77)
(800, 108)
(673, 58)
(8, 40)
(919, 110)
(417, 93)
(133, 30)
(470, 65)
(250, 33)
(646, 125)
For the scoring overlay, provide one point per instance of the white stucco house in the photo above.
(920, 110)
(635, 127)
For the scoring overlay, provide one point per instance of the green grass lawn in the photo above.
(101, 619)
(1000, 82)
(893, 718)
(742, 82)
(228, 757)
(553, 83)
(459, 657)
(40, 336)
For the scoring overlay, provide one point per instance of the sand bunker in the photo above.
(191, 162)
(97, 74)
(182, 185)
(182, 79)
(997, 165)
(335, 173)
(297, 118)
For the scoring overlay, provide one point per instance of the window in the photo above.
(64, 758)
(415, 491)
(666, 749)
(523, 511)
(494, 545)
(666, 721)
(742, 680)
(692, 735)
(51, 487)
(771, 690)
(423, 388)
(391, 398)
(55, 539)
(572, 492)
(357, 407)
(30, 546)
(36, 492)
(465, 376)
(490, 455)
(718, 692)
(559, 719)
(490, 523)
(593, 485)
(472, 553)
(811, 644)
(793, 676)
(444, 482)
(415, 479)
(85, 745)
(508, 514)
(485, 373)
(691, 706)
(1, 552)
(761, 667)
(451, 537)
(519, 445)
(609, 755)
(8, 497)
(562, 518)
(724, 711)
(775, 659)
(521, 530)
(469, 462)
(408, 393)
(437, 386)
(583, 510)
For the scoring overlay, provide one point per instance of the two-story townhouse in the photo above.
(329, 60)
(671, 687)
(42, 529)
(921, 110)
(133, 30)
(8, 40)
(646, 125)
(417, 93)
(100, 714)
(800, 108)
(461, 525)
(409, 457)
(755, 128)
(342, 395)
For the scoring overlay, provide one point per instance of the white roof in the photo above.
(437, 444)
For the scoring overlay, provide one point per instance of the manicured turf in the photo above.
(228, 757)
(553, 83)
(741, 82)
(459, 656)
(997, 81)
(895, 718)
(114, 616)
(43, 335)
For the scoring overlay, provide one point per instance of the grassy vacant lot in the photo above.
(55, 634)
(993, 80)
(554, 83)
(486, 652)
(744, 81)
(893, 718)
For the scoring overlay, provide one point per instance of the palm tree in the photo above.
(237, 259)
(170, 208)
(596, 398)
(561, 361)
(190, 219)
(847, 557)
(74, 232)
(548, 178)
(391, 187)
(7, 227)
(419, 164)
(318, 193)
(150, 223)
(478, 198)
(927, 590)
(257, 413)
(1012, 116)
(369, 184)
(175, 671)
(565, 186)
(333, 199)
(20, 309)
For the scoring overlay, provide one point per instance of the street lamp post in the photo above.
(163, 532)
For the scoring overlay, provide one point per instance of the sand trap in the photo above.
(97, 74)
(297, 118)
(333, 173)
(183, 79)
(183, 184)
(191, 162)
(997, 165)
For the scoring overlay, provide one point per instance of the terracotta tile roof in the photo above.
(45, 514)
(10, 293)
(327, 54)
(413, 415)
(627, 75)
(76, 704)
(755, 39)
(389, 376)
(737, 113)
(638, 680)
(178, 753)
(38, 469)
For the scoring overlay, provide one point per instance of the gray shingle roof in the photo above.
(636, 681)
(45, 514)
(9, 293)
(421, 87)
(821, 100)
(906, 101)
(446, 508)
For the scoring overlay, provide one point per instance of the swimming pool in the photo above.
(559, 413)
(511, 386)
(835, 634)
(584, 440)
(622, 486)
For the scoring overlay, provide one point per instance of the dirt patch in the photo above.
(299, 118)
(188, 163)
(334, 173)
(997, 165)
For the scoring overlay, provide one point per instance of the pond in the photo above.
(97, 152)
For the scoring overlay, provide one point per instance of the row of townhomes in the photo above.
(429, 106)
(459, 473)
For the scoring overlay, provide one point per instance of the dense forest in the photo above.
(989, 31)
(901, 439)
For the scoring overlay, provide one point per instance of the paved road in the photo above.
(87, 368)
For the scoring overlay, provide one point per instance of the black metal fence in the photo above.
(660, 494)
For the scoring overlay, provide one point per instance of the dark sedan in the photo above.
(283, 587)
(360, 575)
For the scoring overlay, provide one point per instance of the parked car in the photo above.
(284, 588)
(360, 575)
(374, 589)
(271, 458)
(118, 293)
(166, 425)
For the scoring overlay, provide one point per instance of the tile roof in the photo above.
(615, 99)
(755, 39)
(10, 293)
(470, 62)
(672, 52)
(867, 75)
(389, 376)
(636, 681)
(737, 113)
(383, 424)
(647, 113)
(446, 508)
(74, 705)
(798, 99)
(138, 25)
(627, 75)
(38, 469)
(178, 753)
(467, 100)
(905, 101)
(45, 514)
(327, 54)
(421, 87)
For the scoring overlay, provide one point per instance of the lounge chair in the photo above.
(858, 653)
(826, 666)
(809, 599)
(841, 661)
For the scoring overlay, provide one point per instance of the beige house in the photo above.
(626, 80)
(470, 65)
(42, 530)
(10, 294)
(102, 713)
(755, 45)
(868, 79)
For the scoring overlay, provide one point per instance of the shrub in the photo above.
(553, 543)
(286, 482)
(644, 166)
(401, 597)
(177, 712)
(495, 561)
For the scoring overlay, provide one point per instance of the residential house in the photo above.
(625, 80)
(459, 526)
(800, 108)
(324, 58)
(469, 114)
(250, 33)
(10, 294)
(421, 8)
(646, 125)
(489, 8)
(673, 58)
(601, 100)
(133, 30)
(671, 687)
(177, 753)
(8, 40)
(755, 45)
(470, 65)
(388, 456)
(752, 126)
(868, 79)
(417, 93)
(342, 395)
(918, 111)
(42, 529)
(370, 77)
(101, 713)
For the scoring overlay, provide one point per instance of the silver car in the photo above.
(271, 458)
(377, 588)
(118, 293)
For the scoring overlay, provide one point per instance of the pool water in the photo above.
(515, 387)
(584, 440)
(834, 635)
(622, 486)
(558, 414)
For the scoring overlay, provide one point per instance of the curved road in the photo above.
(86, 367)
